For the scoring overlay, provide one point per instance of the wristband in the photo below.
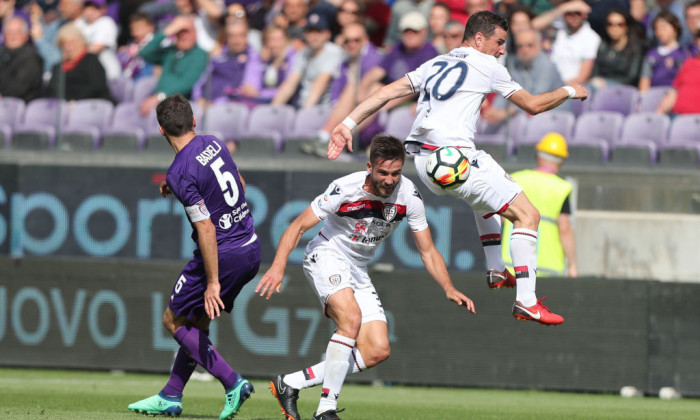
(349, 123)
(570, 90)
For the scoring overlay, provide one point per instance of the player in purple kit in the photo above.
(206, 181)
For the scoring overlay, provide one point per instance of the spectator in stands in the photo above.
(223, 78)
(676, 7)
(314, 69)
(575, 48)
(80, 70)
(398, 10)
(233, 12)
(361, 57)
(620, 54)
(295, 11)
(439, 16)
(21, 66)
(44, 33)
(133, 65)
(206, 15)
(519, 17)
(8, 11)
(376, 19)
(535, 72)
(350, 11)
(101, 31)
(182, 62)
(683, 98)
(413, 50)
(277, 57)
(454, 33)
(661, 64)
(692, 19)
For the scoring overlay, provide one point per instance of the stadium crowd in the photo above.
(334, 53)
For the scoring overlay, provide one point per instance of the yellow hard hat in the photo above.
(553, 144)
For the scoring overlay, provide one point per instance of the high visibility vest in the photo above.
(547, 193)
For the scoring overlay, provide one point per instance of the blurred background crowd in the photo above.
(334, 53)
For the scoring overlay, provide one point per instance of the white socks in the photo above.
(523, 250)
(314, 375)
(337, 364)
(490, 235)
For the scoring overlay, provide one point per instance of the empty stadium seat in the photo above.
(266, 126)
(682, 148)
(122, 89)
(144, 88)
(307, 123)
(642, 134)
(86, 120)
(538, 126)
(229, 119)
(38, 130)
(11, 114)
(622, 99)
(649, 100)
(126, 132)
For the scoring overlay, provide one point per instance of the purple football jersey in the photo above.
(205, 179)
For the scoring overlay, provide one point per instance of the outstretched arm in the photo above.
(435, 265)
(535, 104)
(342, 133)
(272, 280)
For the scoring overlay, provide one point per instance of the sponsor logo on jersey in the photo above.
(361, 227)
(334, 279)
(209, 153)
(371, 208)
(225, 221)
(475, 164)
(336, 190)
(417, 194)
(389, 212)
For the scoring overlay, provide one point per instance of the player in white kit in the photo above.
(359, 211)
(452, 87)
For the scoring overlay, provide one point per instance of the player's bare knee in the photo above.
(350, 327)
(376, 355)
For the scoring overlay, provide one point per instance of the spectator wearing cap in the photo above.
(398, 10)
(182, 61)
(224, 76)
(44, 33)
(20, 64)
(575, 47)
(413, 50)
(314, 69)
(101, 32)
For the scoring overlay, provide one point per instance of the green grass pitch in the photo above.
(77, 395)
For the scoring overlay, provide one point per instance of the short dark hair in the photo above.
(175, 115)
(671, 19)
(691, 4)
(386, 148)
(139, 16)
(484, 22)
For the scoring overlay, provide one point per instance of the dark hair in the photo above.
(386, 148)
(636, 35)
(139, 16)
(443, 6)
(671, 19)
(484, 22)
(691, 4)
(175, 115)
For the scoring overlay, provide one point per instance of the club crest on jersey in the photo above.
(389, 212)
(334, 279)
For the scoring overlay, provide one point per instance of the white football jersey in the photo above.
(452, 87)
(357, 222)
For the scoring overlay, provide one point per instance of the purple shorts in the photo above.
(236, 269)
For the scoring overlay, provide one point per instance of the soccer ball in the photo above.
(447, 167)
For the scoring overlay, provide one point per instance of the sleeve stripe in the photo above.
(413, 87)
(511, 93)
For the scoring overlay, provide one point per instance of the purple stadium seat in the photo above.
(650, 99)
(11, 111)
(308, 121)
(538, 126)
(263, 136)
(399, 122)
(86, 120)
(144, 87)
(122, 89)
(622, 99)
(126, 132)
(683, 145)
(38, 130)
(227, 119)
(642, 133)
(598, 124)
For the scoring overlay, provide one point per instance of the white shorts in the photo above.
(329, 271)
(489, 189)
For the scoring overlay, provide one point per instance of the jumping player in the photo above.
(206, 181)
(452, 87)
(359, 211)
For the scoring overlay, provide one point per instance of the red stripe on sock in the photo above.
(340, 342)
(520, 269)
(524, 233)
(310, 373)
(490, 236)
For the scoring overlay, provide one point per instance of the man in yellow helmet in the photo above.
(550, 194)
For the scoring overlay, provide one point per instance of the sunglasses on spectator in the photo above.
(349, 40)
(352, 12)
